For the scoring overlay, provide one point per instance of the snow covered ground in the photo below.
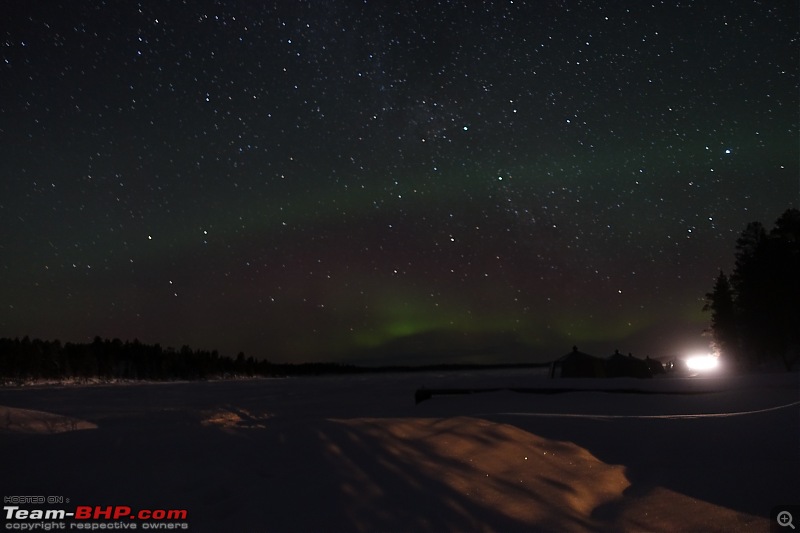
(356, 453)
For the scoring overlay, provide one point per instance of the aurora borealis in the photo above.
(387, 181)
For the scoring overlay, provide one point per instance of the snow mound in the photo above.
(534, 483)
(14, 420)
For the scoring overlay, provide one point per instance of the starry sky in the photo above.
(387, 182)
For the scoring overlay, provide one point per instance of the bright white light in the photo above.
(702, 362)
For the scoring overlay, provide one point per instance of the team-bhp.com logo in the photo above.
(94, 517)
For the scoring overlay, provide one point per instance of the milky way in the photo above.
(385, 181)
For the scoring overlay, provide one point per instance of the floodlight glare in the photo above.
(702, 362)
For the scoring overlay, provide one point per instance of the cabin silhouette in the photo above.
(577, 364)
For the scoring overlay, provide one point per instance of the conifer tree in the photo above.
(724, 325)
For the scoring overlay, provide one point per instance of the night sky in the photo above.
(383, 182)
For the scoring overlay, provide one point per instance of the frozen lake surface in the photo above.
(356, 453)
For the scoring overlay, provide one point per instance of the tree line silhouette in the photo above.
(26, 359)
(755, 312)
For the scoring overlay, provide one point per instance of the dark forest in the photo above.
(755, 311)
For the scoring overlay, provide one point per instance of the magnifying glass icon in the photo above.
(785, 519)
